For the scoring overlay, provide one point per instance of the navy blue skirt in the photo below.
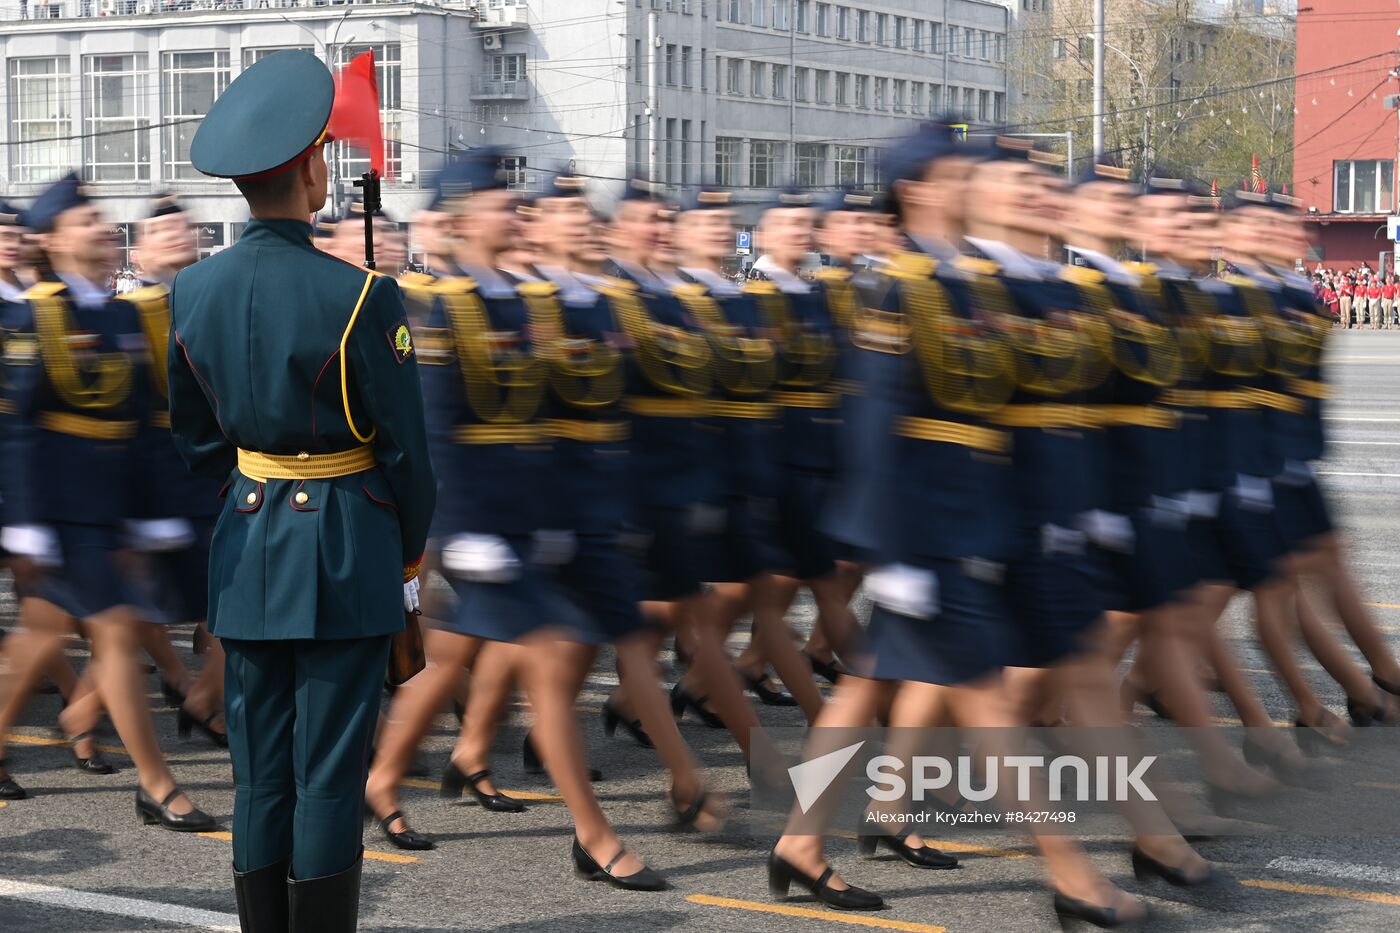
(590, 600)
(965, 641)
(1303, 515)
(90, 581)
(801, 549)
(1241, 545)
(1158, 570)
(1053, 603)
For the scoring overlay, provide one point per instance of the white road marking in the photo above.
(1374, 874)
(1340, 473)
(117, 906)
(1367, 443)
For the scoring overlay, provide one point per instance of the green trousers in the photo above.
(301, 716)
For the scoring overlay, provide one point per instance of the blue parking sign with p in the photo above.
(743, 239)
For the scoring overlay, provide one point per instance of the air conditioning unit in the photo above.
(148, 7)
(108, 8)
(493, 42)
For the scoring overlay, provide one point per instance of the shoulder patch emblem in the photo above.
(401, 340)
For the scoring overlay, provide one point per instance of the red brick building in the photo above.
(1344, 160)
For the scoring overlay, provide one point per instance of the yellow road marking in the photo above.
(369, 853)
(4, 804)
(946, 845)
(1384, 605)
(518, 794)
(1319, 890)
(1378, 785)
(20, 739)
(787, 910)
(1227, 721)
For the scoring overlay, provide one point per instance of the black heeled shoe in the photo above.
(96, 763)
(196, 821)
(187, 722)
(174, 699)
(923, 857)
(758, 686)
(681, 700)
(1313, 741)
(530, 759)
(1364, 714)
(1069, 908)
(1145, 866)
(782, 874)
(586, 866)
(1278, 764)
(408, 839)
(262, 898)
(454, 781)
(9, 789)
(686, 816)
(612, 719)
(826, 669)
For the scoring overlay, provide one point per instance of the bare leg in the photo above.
(553, 673)
(1327, 561)
(706, 626)
(771, 598)
(116, 637)
(494, 672)
(156, 640)
(27, 652)
(415, 704)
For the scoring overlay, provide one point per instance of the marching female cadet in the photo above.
(743, 419)
(480, 405)
(175, 510)
(77, 383)
(584, 322)
(805, 334)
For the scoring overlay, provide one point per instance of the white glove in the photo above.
(37, 542)
(410, 595)
(907, 591)
(1254, 493)
(1057, 539)
(481, 558)
(554, 547)
(159, 535)
(1109, 530)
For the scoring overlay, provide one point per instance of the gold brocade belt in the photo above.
(666, 407)
(951, 432)
(97, 429)
(1046, 415)
(759, 411)
(804, 399)
(593, 432)
(263, 467)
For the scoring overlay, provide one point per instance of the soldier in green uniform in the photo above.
(292, 377)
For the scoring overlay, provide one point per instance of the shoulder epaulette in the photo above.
(834, 274)
(416, 280)
(456, 285)
(976, 266)
(146, 293)
(689, 290)
(1240, 281)
(537, 289)
(1141, 268)
(760, 287)
(906, 264)
(1082, 275)
(43, 290)
(627, 285)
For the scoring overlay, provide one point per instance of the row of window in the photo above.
(828, 21)
(813, 164)
(114, 120)
(842, 89)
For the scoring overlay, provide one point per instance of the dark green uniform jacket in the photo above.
(281, 349)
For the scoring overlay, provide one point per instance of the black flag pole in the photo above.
(369, 181)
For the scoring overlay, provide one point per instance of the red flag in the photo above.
(1215, 194)
(355, 114)
(1256, 178)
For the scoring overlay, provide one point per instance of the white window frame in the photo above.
(37, 154)
(179, 135)
(133, 123)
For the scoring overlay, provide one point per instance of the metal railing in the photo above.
(486, 86)
(45, 10)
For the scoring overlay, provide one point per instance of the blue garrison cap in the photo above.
(708, 198)
(268, 119)
(66, 193)
(908, 159)
(639, 189)
(791, 196)
(1103, 169)
(11, 216)
(850, 199)
(478, 170)
(165, 204)
(565, 185)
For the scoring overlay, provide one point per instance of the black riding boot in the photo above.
(262, 899)
(327, 905)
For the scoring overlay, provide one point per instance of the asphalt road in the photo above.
(74, 857)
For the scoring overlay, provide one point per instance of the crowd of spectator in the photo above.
(1360, 297)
